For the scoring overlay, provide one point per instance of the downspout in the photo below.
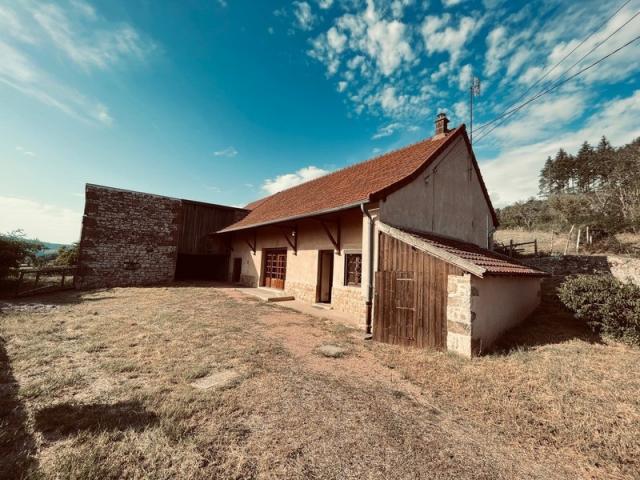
(369, 266)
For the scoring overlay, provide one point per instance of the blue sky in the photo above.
(228, 100)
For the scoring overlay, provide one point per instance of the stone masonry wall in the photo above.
(349, 300)
(128, 238)
(459, 314)
(623, 268)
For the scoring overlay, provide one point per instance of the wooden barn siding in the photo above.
(198, 221)
(410, 289)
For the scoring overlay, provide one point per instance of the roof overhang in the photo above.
(432, 250)
(292, 218)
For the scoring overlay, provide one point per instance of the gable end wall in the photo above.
(446, 198)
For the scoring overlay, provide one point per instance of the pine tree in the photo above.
(546, 178)
(585, 167)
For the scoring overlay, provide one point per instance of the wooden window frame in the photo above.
(347, 254)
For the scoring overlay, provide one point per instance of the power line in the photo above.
(558, 84)
(506, 112)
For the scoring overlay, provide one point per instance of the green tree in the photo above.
(67, 255)
(15, 249)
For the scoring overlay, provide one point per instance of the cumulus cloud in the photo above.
(386, 130)
(288, 180)
(441, 36)
(39, 220)
(227, 152)
(304, 15)
(325, 4)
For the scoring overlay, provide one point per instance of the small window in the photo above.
(353, 269)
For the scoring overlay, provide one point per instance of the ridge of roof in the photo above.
(261, 200)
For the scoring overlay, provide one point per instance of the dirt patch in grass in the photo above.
(102, 386)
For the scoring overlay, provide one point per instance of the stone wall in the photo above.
(459, 314)
(622, 268)
(349, 300)
(301, 291)
(128, 238)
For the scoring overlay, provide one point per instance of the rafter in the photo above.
(288, 233)
(335, 240)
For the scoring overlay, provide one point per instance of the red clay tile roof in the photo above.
(350, 186)
(493, 263)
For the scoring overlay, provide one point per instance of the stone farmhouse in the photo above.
(401, 242)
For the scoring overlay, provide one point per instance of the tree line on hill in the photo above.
(598, 187)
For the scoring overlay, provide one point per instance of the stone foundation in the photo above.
(349, 300)
(128, 238)
(301, 291)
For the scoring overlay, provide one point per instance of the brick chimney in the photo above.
(441, 125)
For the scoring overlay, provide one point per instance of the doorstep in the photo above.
(267, 294)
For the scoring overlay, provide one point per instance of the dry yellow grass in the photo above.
(556, 240)
(100, 386)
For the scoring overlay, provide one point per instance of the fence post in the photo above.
(535, 247)
(511, 248)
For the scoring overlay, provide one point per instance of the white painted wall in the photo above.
(500, 303)
(446, 198)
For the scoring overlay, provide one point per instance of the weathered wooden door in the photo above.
(275, 268)
(397, 307)
(237, 270)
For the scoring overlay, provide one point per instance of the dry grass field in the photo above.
(191, 381)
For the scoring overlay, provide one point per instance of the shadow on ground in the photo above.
(71, 418)
(550, 324)
(17, 446)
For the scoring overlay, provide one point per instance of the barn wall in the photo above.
(198, 221)
(302, 268)
(447, 198)
(128, 238)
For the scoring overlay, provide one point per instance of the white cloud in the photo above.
(11, 25)
(18, 72)
(324, 4)
(342, 86)
(38, 220)
(304, 15)
(386, 130)
(461, 111)
(497, 49)
(390, 101)
(222, 3)
(465, 76)
(451, 3)
(513, 174)
(288, 180)
(87, 42)
(440, 36)
(227, 152)
(25, 152)
(398, 6)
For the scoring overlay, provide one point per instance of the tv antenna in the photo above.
(474, 91)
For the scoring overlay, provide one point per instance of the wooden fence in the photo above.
(58, 277)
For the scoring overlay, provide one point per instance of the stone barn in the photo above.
(134, 238)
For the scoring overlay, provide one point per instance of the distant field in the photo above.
(557, 240)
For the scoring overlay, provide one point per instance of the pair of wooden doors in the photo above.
(275, 268)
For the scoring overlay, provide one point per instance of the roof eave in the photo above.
(294, 217)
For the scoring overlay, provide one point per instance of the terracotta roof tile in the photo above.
(494, 263)
(346, 187)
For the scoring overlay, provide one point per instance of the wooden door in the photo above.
(325, 276)
(398, 299)
(275, 268)
(237, 270)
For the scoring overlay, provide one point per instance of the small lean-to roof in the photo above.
(467, 256)
(351, 186)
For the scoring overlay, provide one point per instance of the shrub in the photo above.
(14, 250)
(67, 255)
(609, 306)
